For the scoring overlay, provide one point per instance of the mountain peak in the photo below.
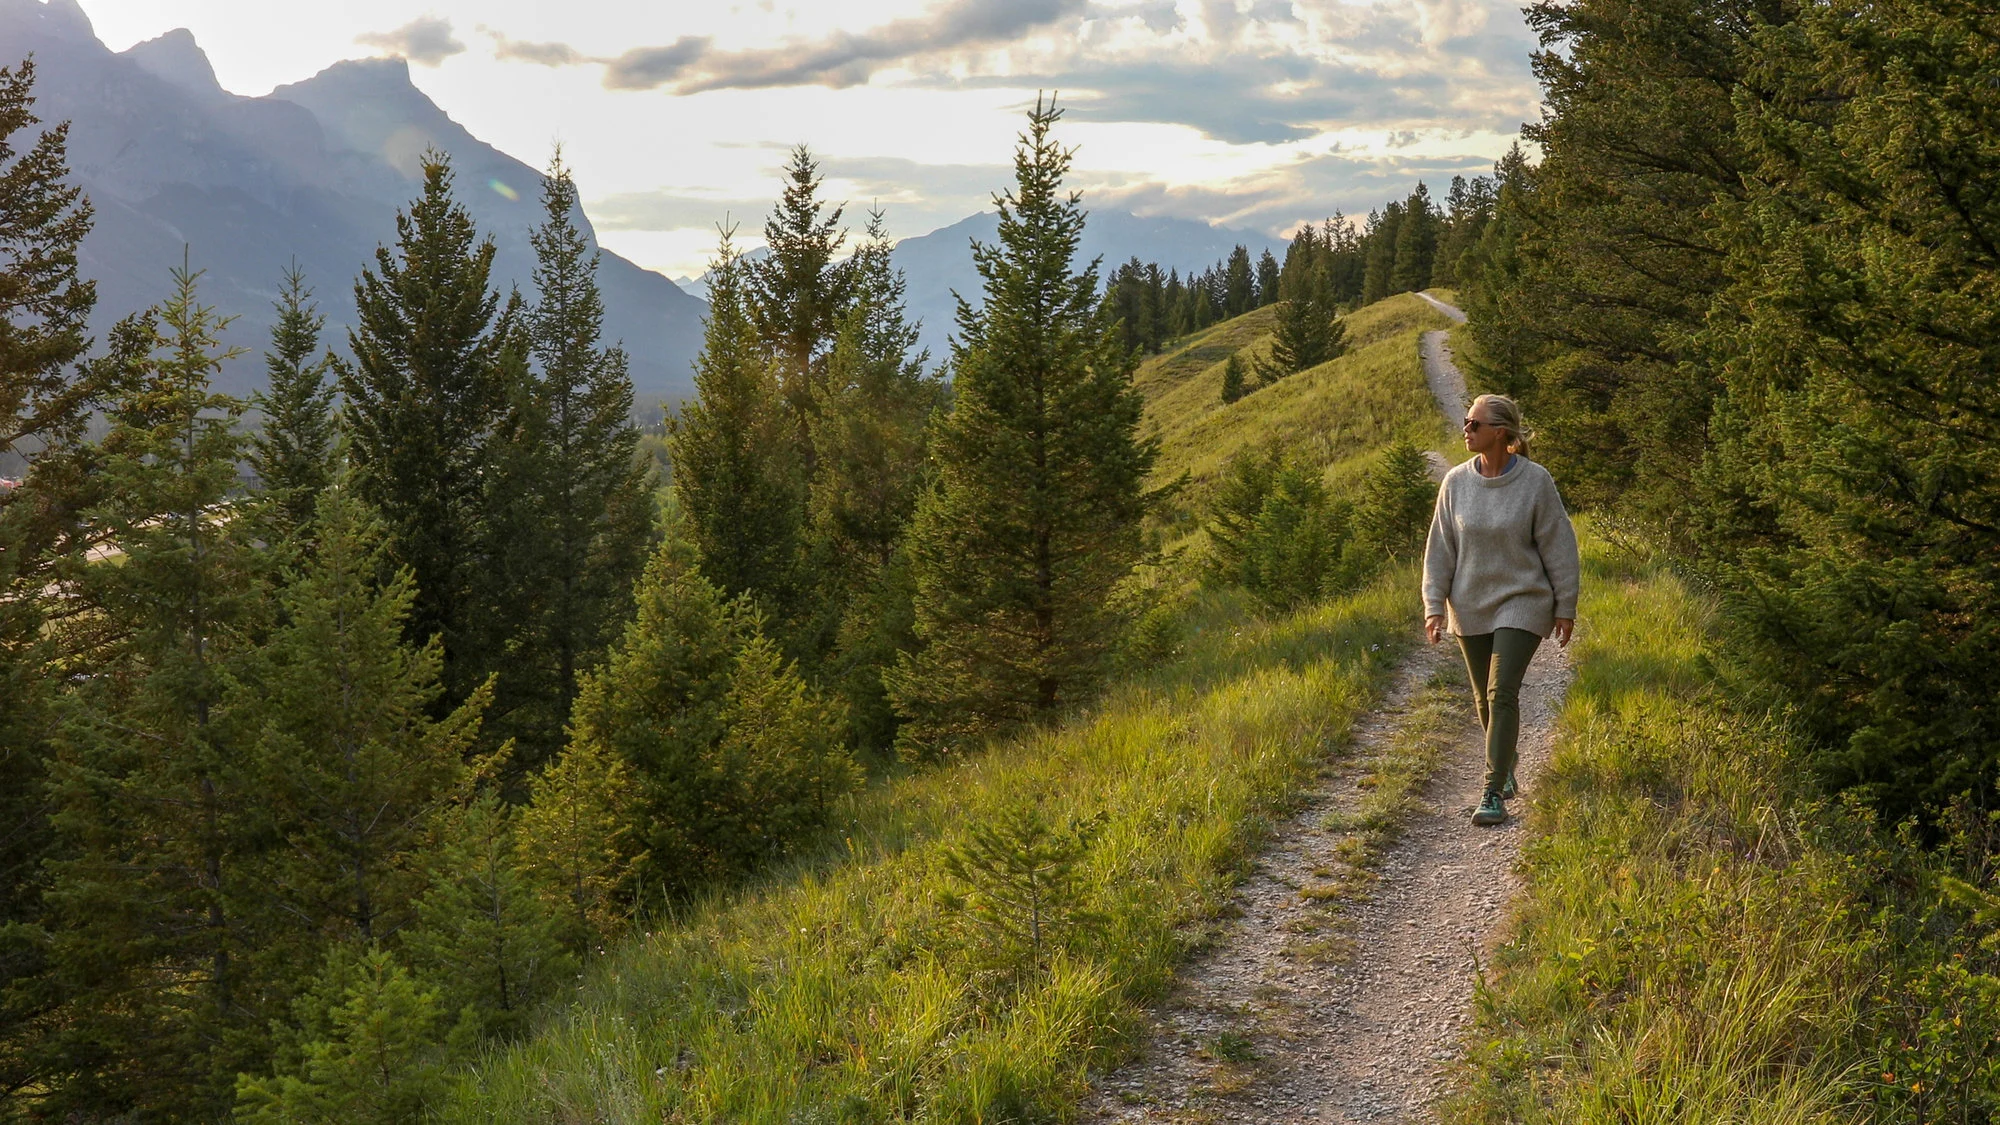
(175, 57)
(57, 19)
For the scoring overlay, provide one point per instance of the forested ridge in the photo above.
(349, 725)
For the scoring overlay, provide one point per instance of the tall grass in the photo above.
(1696, 942)
(845, 988)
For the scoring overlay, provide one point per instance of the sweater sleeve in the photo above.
(1440, 555)
(1555, 538)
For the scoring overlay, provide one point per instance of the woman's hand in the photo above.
(1434, 628)
(1564, 627)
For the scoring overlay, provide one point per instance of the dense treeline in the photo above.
(1748, 295)
(1407, 246)
(329, 751)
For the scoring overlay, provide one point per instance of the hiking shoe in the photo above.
(1510, 790)
(1490, 811)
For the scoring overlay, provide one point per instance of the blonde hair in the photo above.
(1506, 414)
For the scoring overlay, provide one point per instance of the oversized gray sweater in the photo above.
(1501, 553)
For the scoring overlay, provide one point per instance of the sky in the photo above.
(677, 115)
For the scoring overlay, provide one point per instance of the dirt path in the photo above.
(1308, 1010)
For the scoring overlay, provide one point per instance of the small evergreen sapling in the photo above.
(375, 1060)
(1232, 378)
(1022, 882)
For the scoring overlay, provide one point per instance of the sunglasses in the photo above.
(1471, 425)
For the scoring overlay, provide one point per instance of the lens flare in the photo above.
(503, 191)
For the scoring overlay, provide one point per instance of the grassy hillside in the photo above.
(850, 986)
(1337, 415)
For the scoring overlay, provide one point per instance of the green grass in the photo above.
(1694, 944)
(1337, 416)
(840, 988)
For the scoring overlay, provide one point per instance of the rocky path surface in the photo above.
(1446, 381)
(1316, 1009)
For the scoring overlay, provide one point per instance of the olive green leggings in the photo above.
(1498, 661)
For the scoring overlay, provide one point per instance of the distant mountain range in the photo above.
(314, 172)
(938, 264)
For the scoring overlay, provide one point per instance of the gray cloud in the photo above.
(1436, 63)
(841, 59)
(643, 68)
(541, 54)
(426, 39)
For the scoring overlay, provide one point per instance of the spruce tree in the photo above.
(292, 454)
(872, 467)
(1239, 283)
(1308, 331)
(574, 842)
(1416, 244)
(570, 508)
(1040, 480)
(483, 935)
(1232, 378)
(1378, 277)
(333, 711)
(423, 393)
(735, 470)
(1267, 279)
(46, 402)
(152, 792)
(795, 295)
(376, 1057)
(733, 754)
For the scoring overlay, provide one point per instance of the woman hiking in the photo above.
(1500, 573)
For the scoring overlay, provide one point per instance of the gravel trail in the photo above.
(1305, 1010)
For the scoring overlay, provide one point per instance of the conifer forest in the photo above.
(880, 736)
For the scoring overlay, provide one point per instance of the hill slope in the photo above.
(846, 986)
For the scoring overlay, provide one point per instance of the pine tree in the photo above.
(423, 393)
(292, 454)
(1040, 492)
(794, 297)
(871, 470)
(1267, 279)
(151, 794)
(735, 472)
(1394, 512)
(1416, 244)
(46, 403)
(570, 511)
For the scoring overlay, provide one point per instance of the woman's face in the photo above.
(1481, 435)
